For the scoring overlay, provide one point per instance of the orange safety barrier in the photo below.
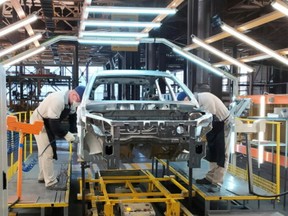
(23, 129)
(268, 156)
(279, 99)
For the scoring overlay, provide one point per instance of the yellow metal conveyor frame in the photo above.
(156, 191)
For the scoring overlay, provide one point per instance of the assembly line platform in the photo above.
(234, 191)
(35, 195)
(232, 188)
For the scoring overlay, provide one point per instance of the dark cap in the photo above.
(181, 96)
(80, 90)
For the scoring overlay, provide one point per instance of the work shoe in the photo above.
(203, 181)
(57, 186)
(41, 181)
(214, 188)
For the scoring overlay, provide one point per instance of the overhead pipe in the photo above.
(175, 48)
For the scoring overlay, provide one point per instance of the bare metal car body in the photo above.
(124, 110)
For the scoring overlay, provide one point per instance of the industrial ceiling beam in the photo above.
(19, 10)
(246, 26)
(159, 18)
(251, 58)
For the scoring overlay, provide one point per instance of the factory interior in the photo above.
(144, 108)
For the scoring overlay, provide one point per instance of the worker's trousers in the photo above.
(45, 156)
(216, 173)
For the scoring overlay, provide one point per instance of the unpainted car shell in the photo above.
(150, 120)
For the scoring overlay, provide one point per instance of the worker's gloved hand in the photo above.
(69, 137)
(76, 140)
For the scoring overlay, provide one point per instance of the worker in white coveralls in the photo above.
(52, 110)
(218, 139)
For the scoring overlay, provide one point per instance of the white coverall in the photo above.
(212, 104)
(50, 108)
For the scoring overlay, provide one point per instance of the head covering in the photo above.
(202, 87)
(181, 96)
(80, 90)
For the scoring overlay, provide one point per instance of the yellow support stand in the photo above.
(173, 208)
(108, 209)
(23, 129)
(129, 194)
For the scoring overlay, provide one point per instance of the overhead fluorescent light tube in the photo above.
(280, 6)
(10, 28)
(20, 44)
(121, 24)
(112, 34)
(130, 10)
(199, 61)
(253, 43)
(107, 42)
(221, 54)
(34, 52)
(2, 1)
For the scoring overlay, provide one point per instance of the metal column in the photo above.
(216, 81)
(202, 31)
(150, 55)
(75, 75)
(162, 59)
(3, 145)
(190, 70)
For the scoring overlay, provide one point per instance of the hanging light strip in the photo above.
(84, 14)
(221, 54)
(253, 43)
(130, 10)
(252, 58)
(28, 55)
(120, 24)
(198, 61)
(10, 28)
(20, 44)
(107, 42)
(280, 6)
(112, 34)
(2, 1)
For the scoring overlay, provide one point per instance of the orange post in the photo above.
(22, 128)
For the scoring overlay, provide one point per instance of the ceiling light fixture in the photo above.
(10, 28)
(253, 43)
(112, 34)
(130, 10)
(84, 14)
(2, 1)
(107, 42)
(280, 6)
(22, 57)
(198, 61)
(221, 54)
(120, 24)
(20, 44)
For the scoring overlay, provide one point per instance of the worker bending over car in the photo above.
(53, 110)
(218, 139)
